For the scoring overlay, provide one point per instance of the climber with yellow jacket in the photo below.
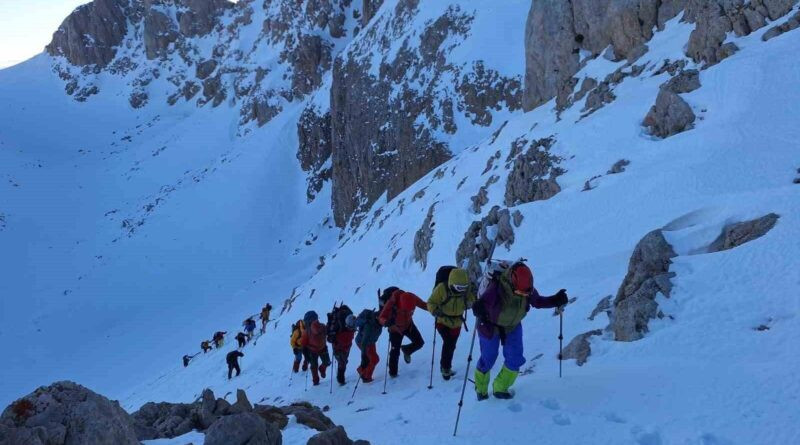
(297, 346)
(451, 298)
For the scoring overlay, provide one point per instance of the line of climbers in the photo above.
(506, 295)
(242, 338)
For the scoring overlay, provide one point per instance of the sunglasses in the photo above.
(459, 287)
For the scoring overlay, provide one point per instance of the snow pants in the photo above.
(298, 357)
(369, 360)
(397, 339)
(317, 368)
(341, 356)
(512, 350)
(231, 367)
(449, 340)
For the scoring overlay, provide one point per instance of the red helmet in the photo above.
(521, 278)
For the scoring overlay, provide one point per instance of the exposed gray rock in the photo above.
(685, 81)
(333, 436)
(423, 239)
(669, 116)
(517, 217)
(603, 306)
(90, 35)
(138, 99)
(242, 405)
(618, 167)
(205, 68)
(556, 32)
(310, 59)
(479, 200)
(734, 235)
(314, 148)
(474, 248)
(534, 173)
(199, 17)
(309, 415)
(368, 10)
(579, 347)
(648, 274)
(213, 91)
(66, 413)
(159, 33)
(599, 97)
(272, 414)
(243, 429)
(789, 25)
(164, 420)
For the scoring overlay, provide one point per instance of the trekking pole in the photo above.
(354, 389)
(464, 387)
(306, 388)
(333, 366)
(560, 338)
(386, 372)
(433, 354)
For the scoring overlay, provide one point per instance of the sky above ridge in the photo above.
(26, 26)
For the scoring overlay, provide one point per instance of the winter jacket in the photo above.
(241, 337)
(219, 335)
(398, 311)
(265, 314)
(297, 335)
(369, 330)
(344, 340)
(233, 357)
(314, 337)
(449, 307)
(505, 309)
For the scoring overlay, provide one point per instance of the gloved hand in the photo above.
(561, 298)
(479, 310)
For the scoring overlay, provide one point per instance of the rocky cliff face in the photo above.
(562, 35)
(90, 35)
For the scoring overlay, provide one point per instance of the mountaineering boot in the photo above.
(340, 376)
(322, 370)
(447, 373)
(305, 365)
(296, 367)
(314, 377)
(406, 357)
(502, 383)
(482, 384)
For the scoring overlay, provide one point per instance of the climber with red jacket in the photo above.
(314, 347)
(500, 309)
(397, 315)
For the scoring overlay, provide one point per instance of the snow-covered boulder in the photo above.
(669, 116)
(66, 413)
(579, 347)
(334, 436)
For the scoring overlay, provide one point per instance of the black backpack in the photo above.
(443, 275)
(337, 321)
(385, 296)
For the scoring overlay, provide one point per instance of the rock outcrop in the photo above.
(648, 275)
(90, 35)
(579, 347)
(309, 415)
(533, 175)
(423, 239)
(314, 149)
(559, 33)
(734, 235)
(66, 413)
(475, 247)
(669, 116)
(334, 436)
(243, 429)
(388, 108)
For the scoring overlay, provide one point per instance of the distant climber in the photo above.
(295, 341)
(499, 311)
(397, 315)
(187, 359)
(219, 338)
(314, 347)
(341, 330)
(249, 327)
(241, 338)
(369, 330)
(265, 311)
(233, 362)
(451, 297)
(205, 345)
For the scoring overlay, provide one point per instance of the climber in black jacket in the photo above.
(233, 363)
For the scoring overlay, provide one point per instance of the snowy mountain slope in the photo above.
(211, 252)
(703, 374)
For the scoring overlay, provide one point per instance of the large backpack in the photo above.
(309, 318)
(337, 321)
(385, 296)
(369, 330)
(443, 275)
